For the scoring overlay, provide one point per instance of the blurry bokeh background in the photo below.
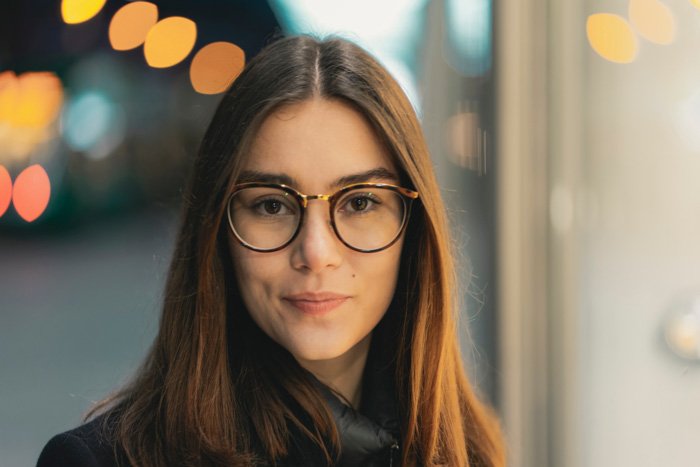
(566, 137)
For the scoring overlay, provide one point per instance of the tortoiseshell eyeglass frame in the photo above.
(302, 199)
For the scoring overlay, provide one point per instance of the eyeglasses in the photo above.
(366, 217)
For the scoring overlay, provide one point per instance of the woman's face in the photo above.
(314, 144)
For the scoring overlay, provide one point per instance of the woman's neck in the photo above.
(343, 374)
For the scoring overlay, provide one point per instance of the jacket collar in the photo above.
(372, 431)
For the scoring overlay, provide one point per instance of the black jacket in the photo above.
(368, 435)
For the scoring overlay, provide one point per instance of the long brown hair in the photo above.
(213, 386)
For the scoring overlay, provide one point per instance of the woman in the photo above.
(309, 314)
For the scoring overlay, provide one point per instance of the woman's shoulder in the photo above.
(89, 445)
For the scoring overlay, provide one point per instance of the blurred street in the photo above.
(78, 312)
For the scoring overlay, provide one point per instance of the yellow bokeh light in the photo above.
(79, 11)
(215, 67)
(611, 37)
(30, 99)
(169, 41)
(41, 97)
(131, 23)
(695, 3)
(9, 95)
(653, 20)
(29, 106)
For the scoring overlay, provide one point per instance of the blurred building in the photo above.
(598, 196)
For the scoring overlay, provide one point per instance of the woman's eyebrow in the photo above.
(265, 177)
(379, 173)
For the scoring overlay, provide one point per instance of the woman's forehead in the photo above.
(318, 142)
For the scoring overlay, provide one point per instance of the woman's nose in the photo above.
(316, 247)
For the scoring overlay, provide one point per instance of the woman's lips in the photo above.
(316, 307)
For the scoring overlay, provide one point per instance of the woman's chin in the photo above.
(327, 350)
(316, 354)
(312, 344)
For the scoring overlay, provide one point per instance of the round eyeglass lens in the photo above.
(369, 218)
(264, 218)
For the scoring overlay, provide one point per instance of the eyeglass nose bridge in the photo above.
(305, 203)
(306, 198)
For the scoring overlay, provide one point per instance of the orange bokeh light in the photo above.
(5, 190)
(464, 135)
(215, 67)
(170, 41)
(31, 192)
(79, 11)
(131, 23)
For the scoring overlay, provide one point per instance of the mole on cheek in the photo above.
(353, 276)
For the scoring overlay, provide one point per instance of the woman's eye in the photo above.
(271, 207)
(360, 203)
